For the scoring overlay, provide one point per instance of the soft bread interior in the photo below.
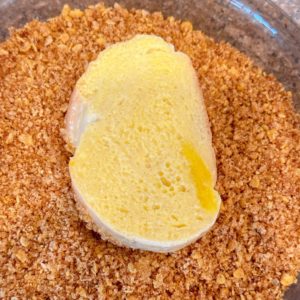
(144, 163)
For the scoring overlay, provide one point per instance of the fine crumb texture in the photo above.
(46, 251)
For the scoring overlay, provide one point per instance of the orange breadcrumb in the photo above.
(46, 251)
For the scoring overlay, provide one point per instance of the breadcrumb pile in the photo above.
(46, 251)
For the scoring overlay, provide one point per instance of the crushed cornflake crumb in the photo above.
(77, 48)
(3, 52)
(221, 279)
(24, 242)
(46, 251)
(255, 182)
(239, 273)
(76, 13)
(21, 255)
(287, 279)
(64, 37)
(26, 139)
(48, 40)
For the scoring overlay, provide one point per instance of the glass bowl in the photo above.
(258, 28)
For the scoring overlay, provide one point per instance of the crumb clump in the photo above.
(47, 251)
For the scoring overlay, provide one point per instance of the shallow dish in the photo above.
(259, 29)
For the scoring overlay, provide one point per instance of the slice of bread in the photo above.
(144, 168)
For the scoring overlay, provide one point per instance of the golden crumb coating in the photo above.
(46, 251)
